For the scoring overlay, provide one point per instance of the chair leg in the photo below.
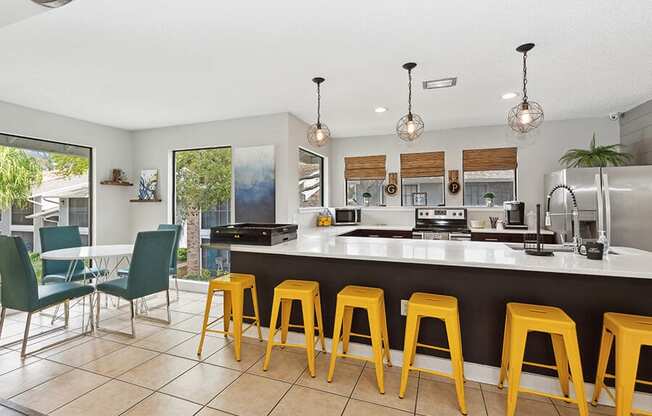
(605, 351)
(272, 331)
(97, 311)
(254, 299)
(517, 342)
(346, 328)
(238, 309)
(308, 307)
(575, 363)
(504, 362)
(167, 298)
(320, 322)
(383, 321)
(375, 327)
(23, 351)
(457, 362)
(90, 313)
(337, 330)
(66, 313)
(133, 319)
(411, 329)
(627, 356)
(176, 286)
(561, 358)
(416, 341)
(204, 326)
(228, 311)
(2, 319)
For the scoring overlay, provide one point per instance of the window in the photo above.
(78, 212)
(365, 180)
(19, 214)
(311, 179)
(422, 179)
(489, 171)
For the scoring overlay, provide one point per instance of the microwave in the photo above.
(346, 216)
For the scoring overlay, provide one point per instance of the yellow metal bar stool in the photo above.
(306, 292)
(631, 333)
(373, 301)
(233, 285)
(426, 305)
(523, 318)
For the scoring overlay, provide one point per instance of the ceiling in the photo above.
(148, 63)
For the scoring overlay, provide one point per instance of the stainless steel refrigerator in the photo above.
(617, 200)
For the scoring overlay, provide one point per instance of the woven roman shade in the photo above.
(489, 159)
(365, 167)
(419, 165)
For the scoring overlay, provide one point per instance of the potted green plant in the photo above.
(596, 156)
(489, 199)
(365, 198)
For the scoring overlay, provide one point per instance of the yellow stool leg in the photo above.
(272, 331)
(375, 326)
(308, 307)
(207, 311)
(517, 341)
(627, 356)
(504, 362)
(286, 310)
(337, 330)
(416, 341)
(411, 336)
(383, 319)
(238, 309)
(254, 298)
(575, 362)
(561, 359)
(320, 322)
(455, 347)
(228, 312)
(605, 350)
(346, 328)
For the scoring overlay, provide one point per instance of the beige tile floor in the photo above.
(159, 373)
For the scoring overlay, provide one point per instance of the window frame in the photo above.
(322, 183)
(515, 186)
(443, 183)
(381, 198)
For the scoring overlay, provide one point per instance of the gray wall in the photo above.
(636, 132)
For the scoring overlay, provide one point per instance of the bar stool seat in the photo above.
(631, 333)
(373, 301)
(306, 292)
(428, 305)
(523, 318)
(233, 285)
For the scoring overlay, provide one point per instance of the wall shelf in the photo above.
(112, 183)
(145, 200)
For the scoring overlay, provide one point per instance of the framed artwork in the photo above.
(148, 184)
(254, 178)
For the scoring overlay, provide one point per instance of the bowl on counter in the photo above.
(476, 223)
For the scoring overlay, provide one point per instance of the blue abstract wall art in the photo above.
(254, 179)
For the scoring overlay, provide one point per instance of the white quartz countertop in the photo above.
(325, 242)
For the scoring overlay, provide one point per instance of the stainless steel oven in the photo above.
(346, 216)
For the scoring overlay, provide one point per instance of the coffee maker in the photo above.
(515, 214)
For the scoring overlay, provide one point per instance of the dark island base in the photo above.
(482, 294)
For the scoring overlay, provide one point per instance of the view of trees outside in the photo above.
(310, 179)
(202, 185)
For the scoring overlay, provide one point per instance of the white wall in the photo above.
(111, 149)
(152, 149)
(536, 157)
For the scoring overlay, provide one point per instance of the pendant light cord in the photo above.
(409, 91)
(318, 105)
(524, 77)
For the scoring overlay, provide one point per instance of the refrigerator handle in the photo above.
(598, 188)
(607, 205)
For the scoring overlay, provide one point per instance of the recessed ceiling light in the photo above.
(509, 95)
(440, 83)
(380, 109)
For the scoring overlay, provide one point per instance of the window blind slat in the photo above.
(489, 159)
(365, 167)
(419, 165)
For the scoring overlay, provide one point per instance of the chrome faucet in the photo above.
(577, 240)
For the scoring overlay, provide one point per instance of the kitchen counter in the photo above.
(483, 276)
(325, 242)
(509, 231)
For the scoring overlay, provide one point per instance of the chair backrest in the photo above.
(55, 238)
(177, 229)
(149, 271)
(19, 285)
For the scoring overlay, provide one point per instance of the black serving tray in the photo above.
(254, 233)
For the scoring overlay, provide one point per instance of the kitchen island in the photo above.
(484, 276)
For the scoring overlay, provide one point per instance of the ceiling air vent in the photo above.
(440, 83)
(52, 3)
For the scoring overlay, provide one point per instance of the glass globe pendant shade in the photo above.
(525, 117)
(51, 3)
(318, 134)
(409, 127)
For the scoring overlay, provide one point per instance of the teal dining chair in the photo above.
(58, 271)
(173, 263)
(21, 291)
(148, 274)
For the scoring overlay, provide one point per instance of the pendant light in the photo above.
(318, 133)
(527, 115)
(52, 3)
(410, 126)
